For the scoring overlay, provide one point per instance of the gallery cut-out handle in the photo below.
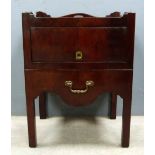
(77, 15)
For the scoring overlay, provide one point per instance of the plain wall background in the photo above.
(62, 7)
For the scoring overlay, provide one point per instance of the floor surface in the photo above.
(77, 136)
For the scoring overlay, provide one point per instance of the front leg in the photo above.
(31, 121)
(126, 121)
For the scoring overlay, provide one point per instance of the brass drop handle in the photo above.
(79, 91)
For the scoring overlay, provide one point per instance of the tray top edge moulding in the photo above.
(41, 14)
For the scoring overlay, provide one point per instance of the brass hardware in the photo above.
(79, 55)
(78, 91)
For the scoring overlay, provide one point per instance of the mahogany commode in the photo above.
(78, 56)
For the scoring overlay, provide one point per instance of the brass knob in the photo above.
(79, 55)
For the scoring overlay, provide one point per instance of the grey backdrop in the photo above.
(58, 8)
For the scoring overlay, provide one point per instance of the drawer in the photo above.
(78, 88)
(78, 44)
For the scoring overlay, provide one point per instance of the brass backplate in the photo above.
(79, 55)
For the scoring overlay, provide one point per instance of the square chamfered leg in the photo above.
(113, 106)
(31, 121)
(42, 106)
(126, 118)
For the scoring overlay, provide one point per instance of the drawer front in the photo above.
(96, 44)
(78, 88)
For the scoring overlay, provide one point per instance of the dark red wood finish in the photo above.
(50, 46)
(60, 44)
